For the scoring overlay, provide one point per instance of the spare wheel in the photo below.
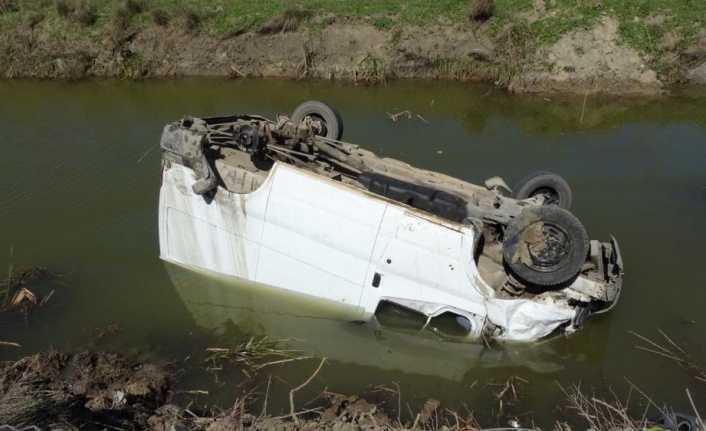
(545, 246)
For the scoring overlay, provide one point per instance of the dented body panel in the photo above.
(313, 233)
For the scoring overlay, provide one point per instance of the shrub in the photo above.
(481, 10)
(63, 8)
(86, 13)
(120, 21)
(7, 6)
(34, 19)
(192, 19)
(160, 17)
(134, 7)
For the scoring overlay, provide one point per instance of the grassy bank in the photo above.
(642, 23)
(458, 39)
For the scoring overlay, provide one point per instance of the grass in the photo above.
(253, 353)
(517, 28)
(642, 24)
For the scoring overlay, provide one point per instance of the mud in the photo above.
(100, 390)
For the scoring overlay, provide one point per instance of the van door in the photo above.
(318, 236)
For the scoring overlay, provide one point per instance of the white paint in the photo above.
(305, 233)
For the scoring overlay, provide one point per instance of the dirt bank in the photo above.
(98, 390)
(510, 48)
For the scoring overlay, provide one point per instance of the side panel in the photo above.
(418, 260)
(220, 234)
(318, 236)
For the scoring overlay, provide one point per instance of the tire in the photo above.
(321, 111)
(554, 187)
(545, 246)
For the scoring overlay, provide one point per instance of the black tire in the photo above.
(545, 246)
(554, 187)
(321, 111)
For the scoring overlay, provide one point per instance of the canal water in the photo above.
(80, 170)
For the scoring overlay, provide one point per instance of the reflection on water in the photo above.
(226, 305)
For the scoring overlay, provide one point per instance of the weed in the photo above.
(7, 6)
(134, 7)
(119, 23)
(371, 69)
(86, 13)
(63, 8)
(160, 17)
(481, 10)
(34, 19)
(6, 285)
(288, 20)
(251, 352)
(192, 19)
(308, 66)
(383, 23)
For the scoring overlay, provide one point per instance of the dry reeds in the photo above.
(286, 21)
(675, 353)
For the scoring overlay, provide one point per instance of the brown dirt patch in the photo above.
(593, 61)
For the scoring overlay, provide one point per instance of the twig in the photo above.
(291, 393)
(267, 394)
(315, 409)
(693, 406)
(147, 152)
(394, 117)
(281, 361)
(422, 118)
(399, 404)
(416, 421)
(584, 106)
(237, 71)
(9, 343)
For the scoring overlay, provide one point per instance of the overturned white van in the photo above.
(287, 204)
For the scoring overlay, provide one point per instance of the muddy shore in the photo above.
(99, 390)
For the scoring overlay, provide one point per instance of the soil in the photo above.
(99, 390)
(585, 60)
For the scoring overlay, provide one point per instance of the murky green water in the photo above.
(80, 172)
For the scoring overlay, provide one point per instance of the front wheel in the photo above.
(326, 115)
(545, 246)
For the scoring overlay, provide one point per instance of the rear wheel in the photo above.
(325, 114)
(553, 187)
(545, 246)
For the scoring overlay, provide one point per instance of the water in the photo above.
(81, 177)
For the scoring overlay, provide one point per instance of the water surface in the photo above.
(81, 181)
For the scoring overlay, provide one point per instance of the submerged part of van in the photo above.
(286, 203)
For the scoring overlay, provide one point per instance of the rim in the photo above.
(554, 251)
(552, 196)
(322, 121)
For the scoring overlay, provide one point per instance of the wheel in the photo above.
(321, 111)
(545, 246)
(551, 185)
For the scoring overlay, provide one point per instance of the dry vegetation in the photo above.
(288, 20)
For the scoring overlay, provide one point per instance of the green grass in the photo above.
(223, 17)
(518, 29)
